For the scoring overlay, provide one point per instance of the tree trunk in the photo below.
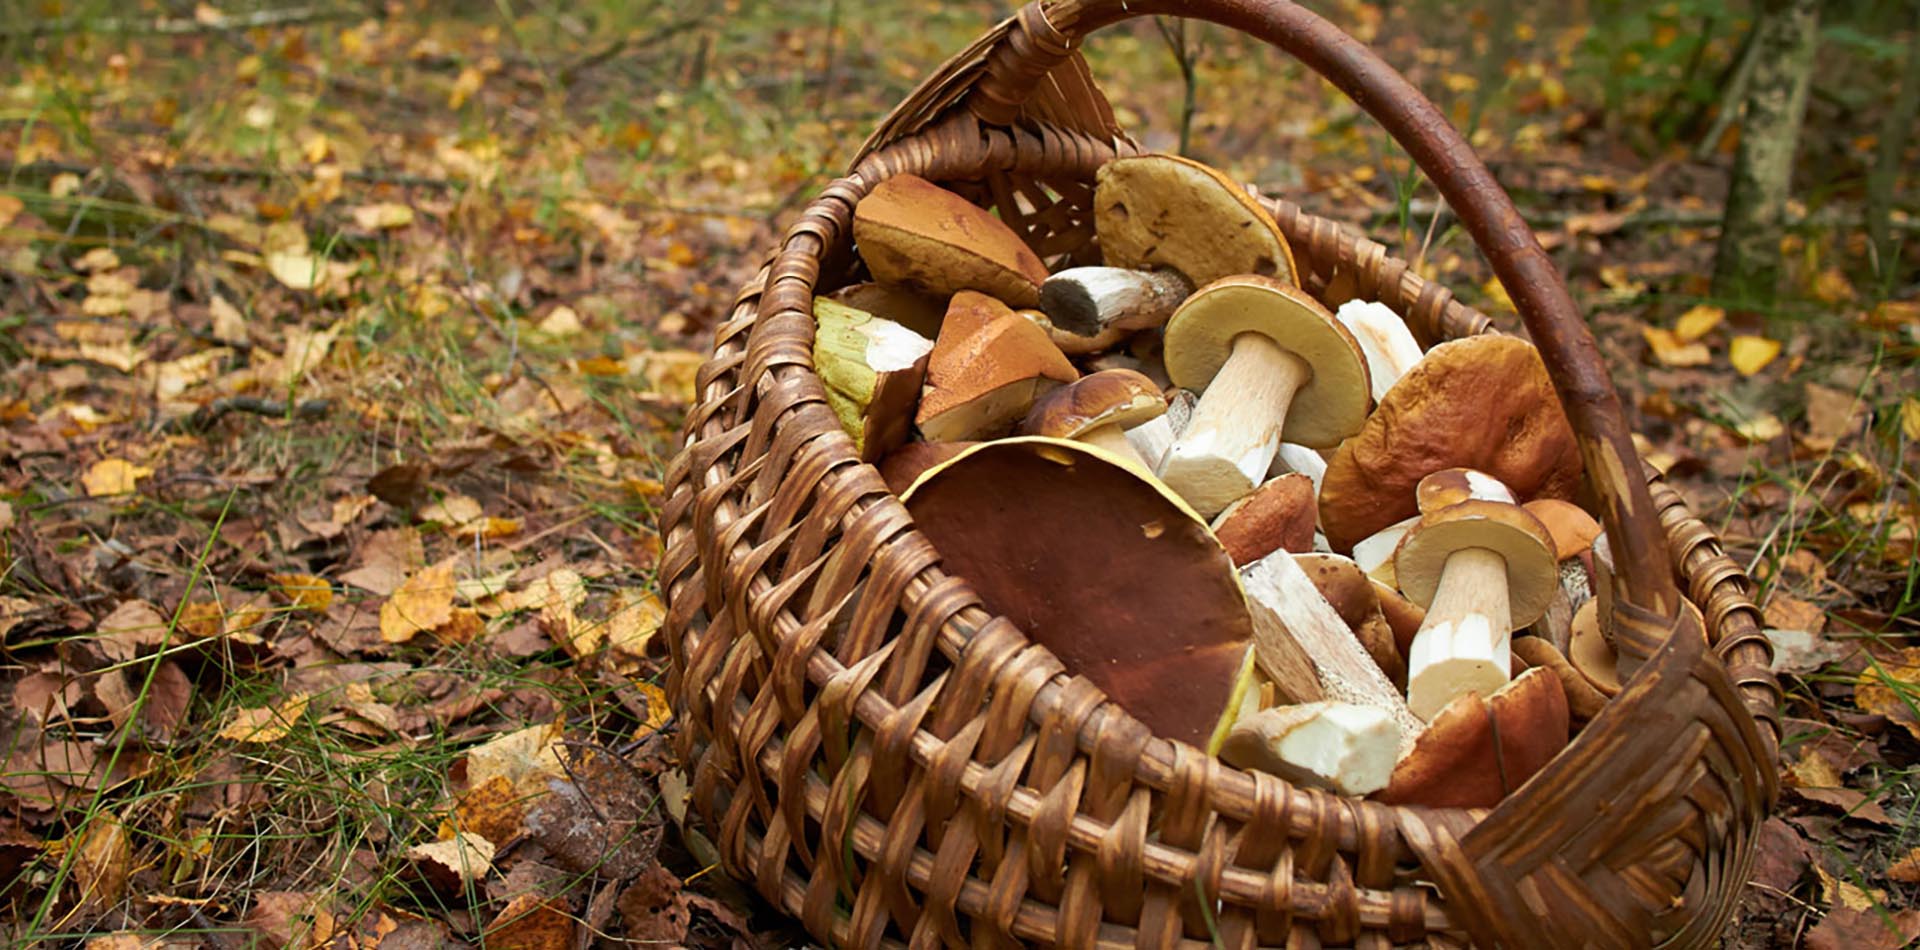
(1894, 132)
(1746, 268)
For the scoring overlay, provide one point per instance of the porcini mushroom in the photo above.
(1267, 361)
(1573, 532)
(915, 234)
(872, 369)
(1166, 226)
(1098, 409)
(1483, 402)
(1356, 599)
(1590, 652)
(1340, 747)
(1482, 569)
(1155, 436)
(1478, 749)
(1156, 620)
(1277, 516)
(1374, 553)
(917, 312)
(1452, 486)
(1389, 346)
(986, 369)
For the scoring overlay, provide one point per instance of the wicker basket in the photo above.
(915, 771)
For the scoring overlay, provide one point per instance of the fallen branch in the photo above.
(204, 417)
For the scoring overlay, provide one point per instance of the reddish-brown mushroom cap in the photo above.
(1476, 751)
(917, 235)
(1279, 515)
(902, 466)
(986, 369)
(1115, 575)
(1117, 397)
(1573, 530)
(1483, 402)
(1353, 597)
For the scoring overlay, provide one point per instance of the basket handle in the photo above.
(1645, 573)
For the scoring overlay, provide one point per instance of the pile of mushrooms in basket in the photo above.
(1268, 525)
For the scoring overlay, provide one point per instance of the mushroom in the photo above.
(1166, 226)
(1293, 457)
(1482, 569)
(900, 467)
(1278, 515)
(1074, 344)
(1356, 599)
(1484, 402)
(919, 236)
(1156, 620)
(1098, 409)
(1454, 485)
(986, 369)
(1584, 700)
(917, 312)
(1389, 346)
(1268, 361)
(1374, 553)
(1340, 747)
(1155, 436)
(1479, 749)
(1573, 532)
(1590, 652)
(872, 369)
(1309, 652)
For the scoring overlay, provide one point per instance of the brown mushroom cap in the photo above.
(1403, 615)
(1483, 402)
(1507, 530)
(987, 367)
(1451, 486)
(1583, 700)
(902, 466)
(1115, 575)
(917, 235)
(1590, 653)
(1199, 338)
(1119, 397)
(1573, 530)
(1278, 515)
(1154, 211)
(1475, 751)
(917, 312)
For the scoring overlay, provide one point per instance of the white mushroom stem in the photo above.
(1465, 644)
(1152, 438)
(1374, 553)
(1093, 300)
(1388, 345)
(1227, 448)
(1301, 643)
(1341, 747)
(1294, 457)
(1114, 439)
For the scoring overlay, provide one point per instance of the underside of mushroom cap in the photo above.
(1154, 211)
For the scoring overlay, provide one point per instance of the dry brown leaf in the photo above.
(532, 922)
(385, 560)
(465, 626)
(262, 725)
(421, 603)
(1798, 652)
(527, 758)
(229, 325)
(1891, 689)
(654, 908)
(1907, 869)
(555, 596)
(1847, 928)
(306, 349)
(454, 862)
(133, 626)
(659, 710)
(291, 920)
(113, 476)
(493, 809)
(452, 511)
(162, 706)
(104, 861)
(1788, 612)
(384, 216)
(635, 618)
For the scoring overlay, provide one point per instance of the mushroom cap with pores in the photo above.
(1199, 338)
(1154, 211)
(918, 235)
(1108, 570)
(1507, 530)
(1119, 397)
(1483, 402)
(1477, 750)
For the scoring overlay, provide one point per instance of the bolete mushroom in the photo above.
(1452, 486)
(1356, 599)
(917, 312)
(1341, 747)
(1166, 226)
(1277, 516)
(986, 369)
(1098, 409)
(1268, 361)
(1104, 567)
(1155, 436)
(1483, 402)
(1591, 654)
(917, 235)
(1573, 532)
(1389, 346)
(1374, 553)
(1478, 749)
(901, 467)
(1482, 569)
(872, 369)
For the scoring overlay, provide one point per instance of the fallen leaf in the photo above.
(304, 591)
(304, 350)
(1670, 351)
(1842, 893)
(290, 919)
(262, 725)
(655, 908)
(1697, 322)
(1760, 426)
(561, 321)
(422, 602)
(526, 758)
(1751, 354)
(1907, 869)
(492, 809)
(531, 922)
(602, 818)
(229, 325)
(133, 626)
(1910, 418)
(1891, 688)
(659, 710)
(1789, 612)
(1799, 652)
(635, 617)
(104, 861)
(1846, 928)
(113, 476)
(384, 216)
(299, 270)
(161, 700)
(1832, 286)
(453, 511)
(555, 596)
(450, 864)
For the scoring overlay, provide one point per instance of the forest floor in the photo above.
(341, 353)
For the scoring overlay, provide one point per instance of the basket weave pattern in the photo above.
(889, 762)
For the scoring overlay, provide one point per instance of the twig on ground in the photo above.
(204, 417)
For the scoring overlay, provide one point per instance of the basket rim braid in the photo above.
(887, 761)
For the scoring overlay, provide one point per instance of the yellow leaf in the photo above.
(1832, 286)
(1910, 418)
(1751, 354)
(175, 377)
(526, 759)
(385, 216)
(561, 321)
(304, 591)
(1888, 687)
(229, 326)
(97, 260)
(468, 856)
(104, 861)
(63, 184)
(489, 528)
(658, 709)
(113, 477)
(1670, 351)
(421, 602)
(636, 617)
(265, 724)
(316, 149)
(464, 86)
(452, 511)
(10, 207)
(1497, 294)
(555, 596)
(1698, 322)
(297, 269)
(306, 349)
(1760, 427)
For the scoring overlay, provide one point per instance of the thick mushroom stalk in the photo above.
(1482, 569)
(1269, 361)
(1389, 346)
(1094, 301)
